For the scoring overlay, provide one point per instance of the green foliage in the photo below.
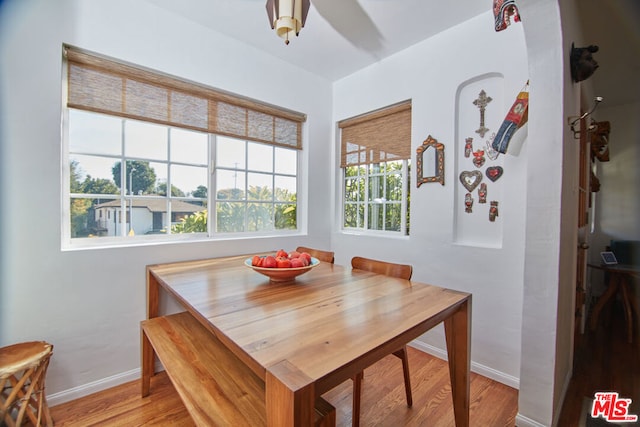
(79, 215)
(266, 211)
(162, 190)
(98, 186)
(384, 185)
(200, 192)
(194, 223)
(81, 210)
(143, 177)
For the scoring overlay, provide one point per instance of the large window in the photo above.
(146, 155)
(375, 162)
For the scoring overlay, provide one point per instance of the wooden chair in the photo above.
(401, 271)
(23, 368)
(324, 256)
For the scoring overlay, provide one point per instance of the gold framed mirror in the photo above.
(430, 160)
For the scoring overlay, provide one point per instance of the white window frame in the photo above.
(69, 243)
(368, 201)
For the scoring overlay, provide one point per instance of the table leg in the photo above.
(614, 281)
(153, 295)
(290, 397)
(457, 330)
(148, 359)
(628, 307)
(148, 354)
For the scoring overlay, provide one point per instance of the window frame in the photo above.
(70, 243)
(405, 172)
(377, 137)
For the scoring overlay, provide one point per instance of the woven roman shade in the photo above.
(379, 136)
(103, 85)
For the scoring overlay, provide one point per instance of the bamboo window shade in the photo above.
(103, 85)
(380, 136)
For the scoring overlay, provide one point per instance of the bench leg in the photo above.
(148, 357)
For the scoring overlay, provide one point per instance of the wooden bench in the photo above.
(217, 388)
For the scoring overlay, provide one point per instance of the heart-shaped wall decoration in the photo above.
(470, 179)
(494, 172)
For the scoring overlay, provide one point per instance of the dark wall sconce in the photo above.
(582, 63)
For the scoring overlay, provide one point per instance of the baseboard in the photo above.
(134, 374)
(96, 386)
(522, 421)
(563, 395)
(478, 368)
(92, 387)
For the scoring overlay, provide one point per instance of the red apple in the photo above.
(296, 263)
(269, 262)
(306, 258)
(282, 262)
(294, 254)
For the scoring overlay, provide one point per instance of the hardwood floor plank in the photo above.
(604, 361)
(383, 400)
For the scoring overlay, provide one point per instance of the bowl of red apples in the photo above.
(282, 266)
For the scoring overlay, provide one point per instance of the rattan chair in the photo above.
(23, 368)
(402, 271)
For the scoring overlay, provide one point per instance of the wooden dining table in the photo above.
(621, 279)
(306, 336)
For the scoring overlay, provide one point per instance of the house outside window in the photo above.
(163, 151)
(375, 164)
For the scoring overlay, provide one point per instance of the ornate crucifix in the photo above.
(481, 103)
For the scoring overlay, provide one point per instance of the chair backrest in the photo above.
(325, 256)
(402, 271)
(626, 251)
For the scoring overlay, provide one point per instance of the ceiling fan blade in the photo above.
(349, 19)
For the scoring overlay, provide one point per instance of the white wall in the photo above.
(89, 303)
(551, 236)
(617, 203)
(431, 74)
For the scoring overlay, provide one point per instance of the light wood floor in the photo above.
(604, 361)
(383, 401)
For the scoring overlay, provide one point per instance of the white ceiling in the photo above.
(340, 36)
(343, 36)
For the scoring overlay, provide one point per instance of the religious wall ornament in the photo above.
(478, 158)
(430, 162)
(503, 11)
(493, 211)
(468, 203)
(481, 102)
(482, 193)
(491, 153)
(470, 179)
(515, 119)
(494, 172)
(468, 146)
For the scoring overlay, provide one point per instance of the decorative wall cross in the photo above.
(481, 103)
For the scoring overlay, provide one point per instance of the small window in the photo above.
(375, 162)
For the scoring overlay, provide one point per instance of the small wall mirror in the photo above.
(430, 159)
